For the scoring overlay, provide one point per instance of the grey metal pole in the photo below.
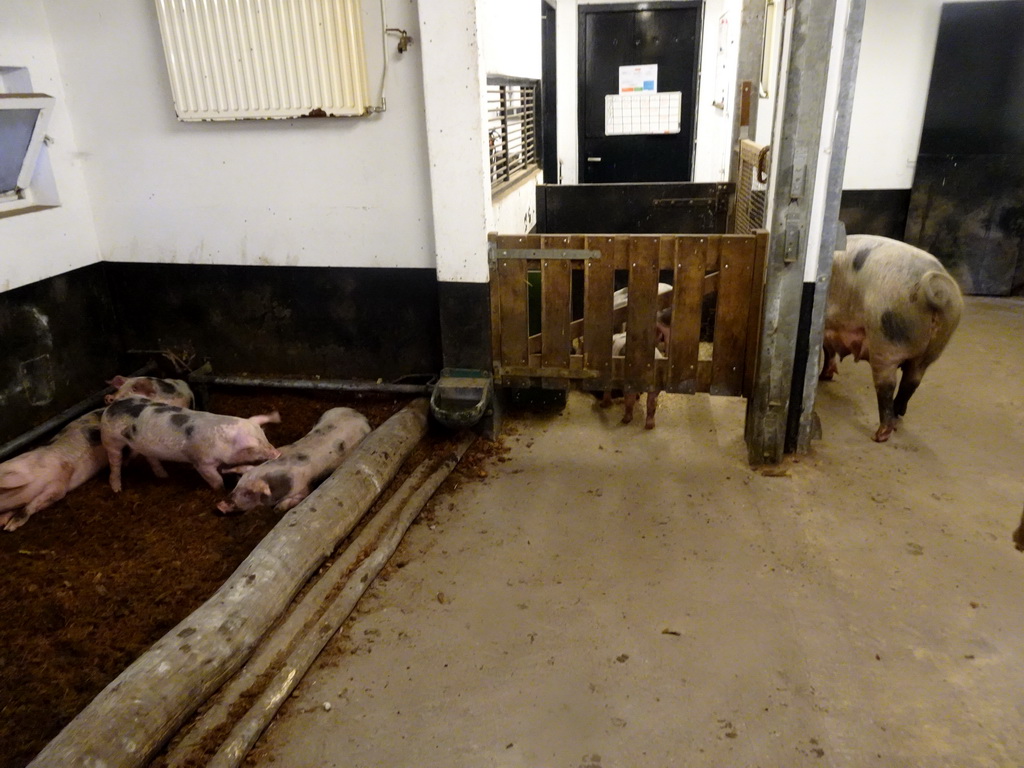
(830, 228)
(797, 138)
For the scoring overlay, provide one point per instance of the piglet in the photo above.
(285, 481)
(41, 477)
(163, 432)
(170, 391)
(663, 324)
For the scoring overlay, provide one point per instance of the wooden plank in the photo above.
(684, 344)
(755, 315)
(599, 284)
(556, 310)
(704, 376)
(641, 314)
(513, 301)
(730, 354)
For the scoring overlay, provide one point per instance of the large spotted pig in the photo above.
(162, 432)
(283, 482)
(43, 476)
(895, 306)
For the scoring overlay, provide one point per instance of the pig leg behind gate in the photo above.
(629, 400)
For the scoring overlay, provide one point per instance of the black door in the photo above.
(548, 86)
(967, 202)
(613, 36)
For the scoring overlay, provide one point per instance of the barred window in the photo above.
(512, 129)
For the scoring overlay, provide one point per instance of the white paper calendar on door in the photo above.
(642, 113)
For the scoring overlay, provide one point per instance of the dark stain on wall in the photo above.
(875, 211)
(59, 343)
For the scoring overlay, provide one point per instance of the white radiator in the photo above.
(243, 59)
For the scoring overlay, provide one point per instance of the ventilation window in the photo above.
(512, 130)
(24, 171)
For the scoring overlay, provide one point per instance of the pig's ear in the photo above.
(144, 387)
(117, 381)
(263, 489)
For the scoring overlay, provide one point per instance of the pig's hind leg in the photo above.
(652, 407)
(884, 375)
(913, 372)
(629, 400)
(114, 458)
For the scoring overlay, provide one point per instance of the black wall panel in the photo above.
(61, 339)
(345, 323)
(59, 343)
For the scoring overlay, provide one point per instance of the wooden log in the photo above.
(144, 706)
(386, 530)
(201, 737)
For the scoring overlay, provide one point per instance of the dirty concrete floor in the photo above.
(614, 598)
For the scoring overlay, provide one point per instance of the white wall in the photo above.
(312, 192)
(721, 28)
(892, 90)
(510, 42)
(41, 244)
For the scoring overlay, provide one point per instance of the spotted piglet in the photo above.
(39, 478)
(285, 481)
(170, 391)
(160, 432)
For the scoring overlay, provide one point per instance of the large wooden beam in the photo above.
(145, 705)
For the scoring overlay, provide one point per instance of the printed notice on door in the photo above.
(642, 113)
(638, 78)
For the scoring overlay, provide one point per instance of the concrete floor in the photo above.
(619, 598)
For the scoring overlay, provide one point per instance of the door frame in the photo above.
(656, 5)
(549, 89)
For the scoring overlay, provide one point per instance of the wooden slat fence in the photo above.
(719, 276)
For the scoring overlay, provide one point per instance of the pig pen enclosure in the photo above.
(96, 579)
(712, 298)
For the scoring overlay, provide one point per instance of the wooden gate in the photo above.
(715, 295)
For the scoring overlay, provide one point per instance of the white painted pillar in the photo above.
(454, 86)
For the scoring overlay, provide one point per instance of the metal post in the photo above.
(797, 139)
(830, 229)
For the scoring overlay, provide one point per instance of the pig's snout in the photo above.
(226, 507)
(274, 454)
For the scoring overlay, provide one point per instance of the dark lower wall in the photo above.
(346, 323)
(61, 339)
(875, 211)
(59, 343)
